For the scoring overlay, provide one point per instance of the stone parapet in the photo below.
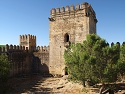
(72, 11)
(43, 48)
(27, 36)
(12, 48)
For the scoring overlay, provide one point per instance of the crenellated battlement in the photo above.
(117, 43)
(12, 48)
(72, 10)
(43, 48)
(29, 41)
(27, 36)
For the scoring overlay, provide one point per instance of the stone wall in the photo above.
(24, 62)
(42, 59)
(20, 59)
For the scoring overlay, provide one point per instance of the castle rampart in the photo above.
(72, 11)
(12, 48)
(43, 48)
(42, 54)
(19, 57)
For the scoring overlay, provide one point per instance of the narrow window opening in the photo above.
(66, 71)
(66, 38)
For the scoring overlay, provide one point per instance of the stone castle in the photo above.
(67, 25)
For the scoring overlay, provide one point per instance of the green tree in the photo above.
(96, 61)
(93, 60)
(122, 61)
(81, 58)
(4, 68)
(111, 57)
(73, 58)
(4, 72)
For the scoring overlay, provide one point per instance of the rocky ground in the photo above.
(48, 85)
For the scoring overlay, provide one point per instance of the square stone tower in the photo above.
(68, 25)
(29, 41)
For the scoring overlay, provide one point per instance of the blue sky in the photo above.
(18, 17)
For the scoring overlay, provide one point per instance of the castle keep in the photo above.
(68, 25)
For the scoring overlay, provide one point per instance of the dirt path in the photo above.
(40, 85)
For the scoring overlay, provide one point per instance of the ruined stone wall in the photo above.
(25, 58)
(42, 59)
(20, 59)
(68, 25)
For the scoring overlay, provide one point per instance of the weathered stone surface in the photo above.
(71, 25)
(67, 25)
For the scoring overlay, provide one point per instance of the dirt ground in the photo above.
(48, 85)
